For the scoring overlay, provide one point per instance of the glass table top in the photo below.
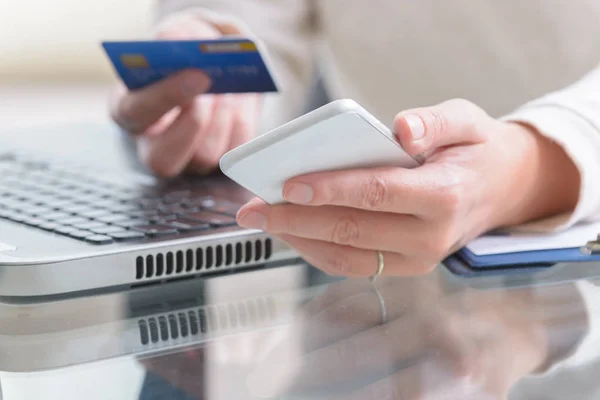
(289, 331)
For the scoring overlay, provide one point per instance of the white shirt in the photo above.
(535, 61)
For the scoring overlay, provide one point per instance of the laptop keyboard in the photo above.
(100, 211)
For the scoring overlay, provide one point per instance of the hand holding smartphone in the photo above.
(340, 135)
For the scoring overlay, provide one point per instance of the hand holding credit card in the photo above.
(235, 65)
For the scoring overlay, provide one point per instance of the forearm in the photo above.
(567, 123)
(545, 181)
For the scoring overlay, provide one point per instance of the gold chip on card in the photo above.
(135, 61)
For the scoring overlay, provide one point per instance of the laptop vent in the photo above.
(209, 258)
(207, 320)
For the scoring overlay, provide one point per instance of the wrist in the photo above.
(542, 180)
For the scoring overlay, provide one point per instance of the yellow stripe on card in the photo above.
(228, 47)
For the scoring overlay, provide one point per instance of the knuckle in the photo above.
(451, 199)
(437, 123)
(345, 231)
(469, 111)
(461, 103)
(451, 193)
(373, 193)
(337, 264)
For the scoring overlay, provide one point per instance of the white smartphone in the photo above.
(340, 135)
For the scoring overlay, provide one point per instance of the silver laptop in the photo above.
(67, 227)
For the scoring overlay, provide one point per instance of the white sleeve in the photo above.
(286, 30)
(571, 118)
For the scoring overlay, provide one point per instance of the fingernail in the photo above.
(195, 85)
(253, 220)
(298, 193)
(417, 129)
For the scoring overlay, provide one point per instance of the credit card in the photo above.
(234, 65)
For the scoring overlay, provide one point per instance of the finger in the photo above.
(246, 121)
(169, 153)
(214, 141)
(454, 122)
(340, 260)
(422, 191)
(362, 229)
(137, 110)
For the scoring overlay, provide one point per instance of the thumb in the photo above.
(421, 131)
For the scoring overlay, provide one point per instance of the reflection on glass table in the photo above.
(291, 332)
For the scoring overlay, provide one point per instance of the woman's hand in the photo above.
(176, 128)
(434, 345)
(479, 174)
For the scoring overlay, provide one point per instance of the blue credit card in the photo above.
(234, 65)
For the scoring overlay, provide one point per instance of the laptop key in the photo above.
(90, 225)
(127, 235)
(156, 230)
(76, 208)
(57, 216)
(107, 230)
(79, 234)
(185, 225)
(163, 218)
(53, 202)
(177, 208)
(17, 217)
(216, 220)
(132, 223)
(113, 218)
(49, 226)
(143, 213)
(177, 195)
(93, 212)
(99, 239)
(33, 221)
(225, 207)
(64, 230)
(74, 221)
(204, 201)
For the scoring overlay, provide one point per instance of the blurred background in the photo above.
(51, 62)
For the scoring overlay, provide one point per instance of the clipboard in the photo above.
(493, 251)
(577, 254)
